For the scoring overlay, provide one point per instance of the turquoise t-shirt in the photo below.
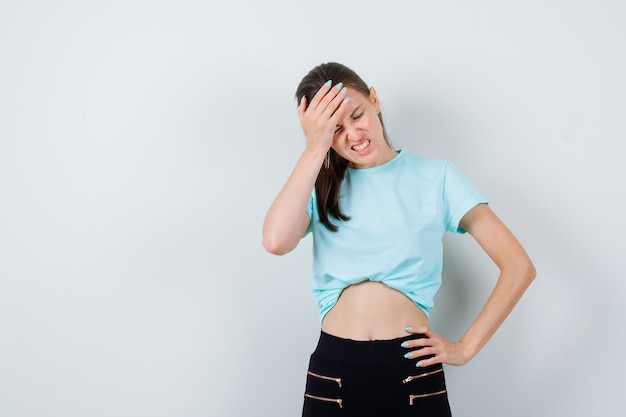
(398, 212)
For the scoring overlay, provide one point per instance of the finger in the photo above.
(302, 107)
(337, 106)
(422, 363)
(417, 343)
(416, 330)
(429, 333)
(320, 95)
(420, 353)
(332, 100)
(336, 98)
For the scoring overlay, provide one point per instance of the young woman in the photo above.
(377, 216)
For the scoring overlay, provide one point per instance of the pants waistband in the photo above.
(363, 352)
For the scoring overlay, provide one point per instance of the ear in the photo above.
(374, 98)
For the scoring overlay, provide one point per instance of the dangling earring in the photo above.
(327, 160)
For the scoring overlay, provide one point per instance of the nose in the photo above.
(352, 133)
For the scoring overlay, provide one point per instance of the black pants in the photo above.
(350, 378)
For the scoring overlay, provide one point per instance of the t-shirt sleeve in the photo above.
(460, 195)
(310, 209)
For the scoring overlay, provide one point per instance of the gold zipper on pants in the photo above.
(328, 378)
(338, 401)
(412, 377)
(415, 397)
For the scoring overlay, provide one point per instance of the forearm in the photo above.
(286, 218)
(512, 283)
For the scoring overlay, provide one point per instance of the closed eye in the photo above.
(356, 117)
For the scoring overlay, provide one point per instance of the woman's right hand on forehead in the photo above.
(320, 118)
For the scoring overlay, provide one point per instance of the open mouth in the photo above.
(360, 147)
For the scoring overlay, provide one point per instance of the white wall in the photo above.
(142, 142)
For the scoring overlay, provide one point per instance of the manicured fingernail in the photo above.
(408, 355)
(343, 90)
(408, 328)
(329, 83)
(346, 100)
(405, 344)
(338, 86)
(302, 99)
(419, 364)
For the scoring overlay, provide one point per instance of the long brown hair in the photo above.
(329, 179)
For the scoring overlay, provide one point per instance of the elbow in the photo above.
(278, 240)
(275, 247)
(527, 271)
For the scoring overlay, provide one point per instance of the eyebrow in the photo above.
(355, 110)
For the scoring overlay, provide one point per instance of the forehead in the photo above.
(356, 95)
(356, 99)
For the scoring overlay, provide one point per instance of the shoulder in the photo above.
(424, 165)
(422, 160)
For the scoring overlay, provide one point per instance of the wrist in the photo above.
(315, 152)
(467, 350)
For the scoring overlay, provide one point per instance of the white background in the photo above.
(141, 143)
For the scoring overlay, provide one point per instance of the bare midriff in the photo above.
(372, 311)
